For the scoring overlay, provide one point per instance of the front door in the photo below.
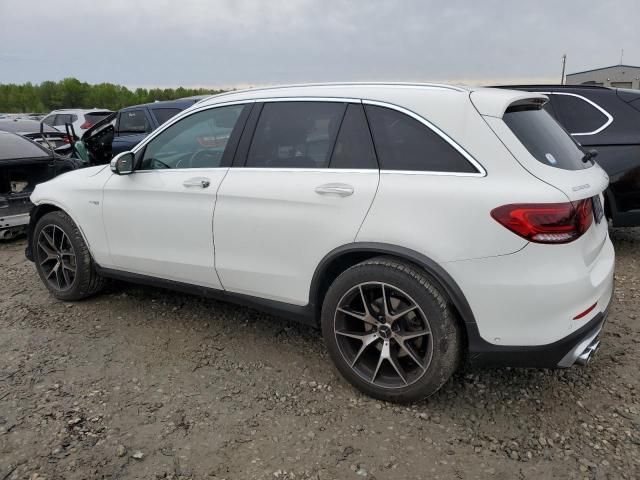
(159, 219)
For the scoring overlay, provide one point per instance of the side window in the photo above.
(133, 121)
(196, 141)
(164, 114)
(577, 115)
(354, 148)
(295, 135)
(49, 120)
(61, 119)
(403, 143)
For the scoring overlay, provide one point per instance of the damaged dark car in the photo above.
(41, 133)
(123, 130)
(23, 165)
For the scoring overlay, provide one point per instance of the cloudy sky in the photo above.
(252, 42)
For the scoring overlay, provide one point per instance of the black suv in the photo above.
(607, 120)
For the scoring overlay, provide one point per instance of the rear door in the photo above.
(305, 177)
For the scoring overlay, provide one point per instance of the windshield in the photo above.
(544, 138)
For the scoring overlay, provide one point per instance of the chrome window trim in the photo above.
(435, 173)
(481, 171)
(178, 170)
(593, 104)
(316, 170)
(309, 99)
(190, 111)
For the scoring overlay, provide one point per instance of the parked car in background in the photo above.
(37, 132)
(123, 130)
(81, 119)
(607, 120)
(24, 164)
(416, 224)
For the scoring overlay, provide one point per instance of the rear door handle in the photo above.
(340, 189)
(201, 182)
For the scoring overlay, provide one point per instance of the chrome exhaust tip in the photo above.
(587, 354)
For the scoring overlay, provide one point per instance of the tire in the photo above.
(58, 241)
(410, 349)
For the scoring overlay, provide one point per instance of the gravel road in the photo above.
(144, 383)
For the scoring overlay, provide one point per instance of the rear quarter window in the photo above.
(577, 115)
(544, 138)
(403, 143)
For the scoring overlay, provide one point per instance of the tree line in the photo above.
(72, 93)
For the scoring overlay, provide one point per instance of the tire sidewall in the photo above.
(446, 338)
(62, 221)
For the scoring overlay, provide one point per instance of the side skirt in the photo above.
(302, 314)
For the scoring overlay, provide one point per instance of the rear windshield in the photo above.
(545, 139)
(95, 117)
(164, 114)
(14, 146)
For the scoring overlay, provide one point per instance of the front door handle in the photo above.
(201, 182)
(340, 189)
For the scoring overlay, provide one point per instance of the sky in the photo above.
(235, 43)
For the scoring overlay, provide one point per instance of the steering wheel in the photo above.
(155, 161)
(204, 155)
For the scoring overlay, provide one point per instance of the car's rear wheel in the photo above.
(390, 332)
(62, 258)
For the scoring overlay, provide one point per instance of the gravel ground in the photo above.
(144, 383)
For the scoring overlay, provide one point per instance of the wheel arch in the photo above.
(341, 258)
(36, 213)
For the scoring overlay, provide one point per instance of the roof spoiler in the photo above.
(493, 102)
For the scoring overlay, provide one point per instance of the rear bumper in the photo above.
(576, 348)
(535, 297)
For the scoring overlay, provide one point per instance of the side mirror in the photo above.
(122, 164)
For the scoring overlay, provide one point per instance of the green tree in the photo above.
(72, 93)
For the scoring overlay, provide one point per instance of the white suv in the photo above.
(81, 119)
(416, 224)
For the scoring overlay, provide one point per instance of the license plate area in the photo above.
(598, 211)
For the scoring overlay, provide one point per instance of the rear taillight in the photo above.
(66, 139)
(546, 222)
(86, 124)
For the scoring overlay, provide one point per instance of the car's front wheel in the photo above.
(62, 258)
(389, 330)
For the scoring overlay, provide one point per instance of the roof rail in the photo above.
(347, 84)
